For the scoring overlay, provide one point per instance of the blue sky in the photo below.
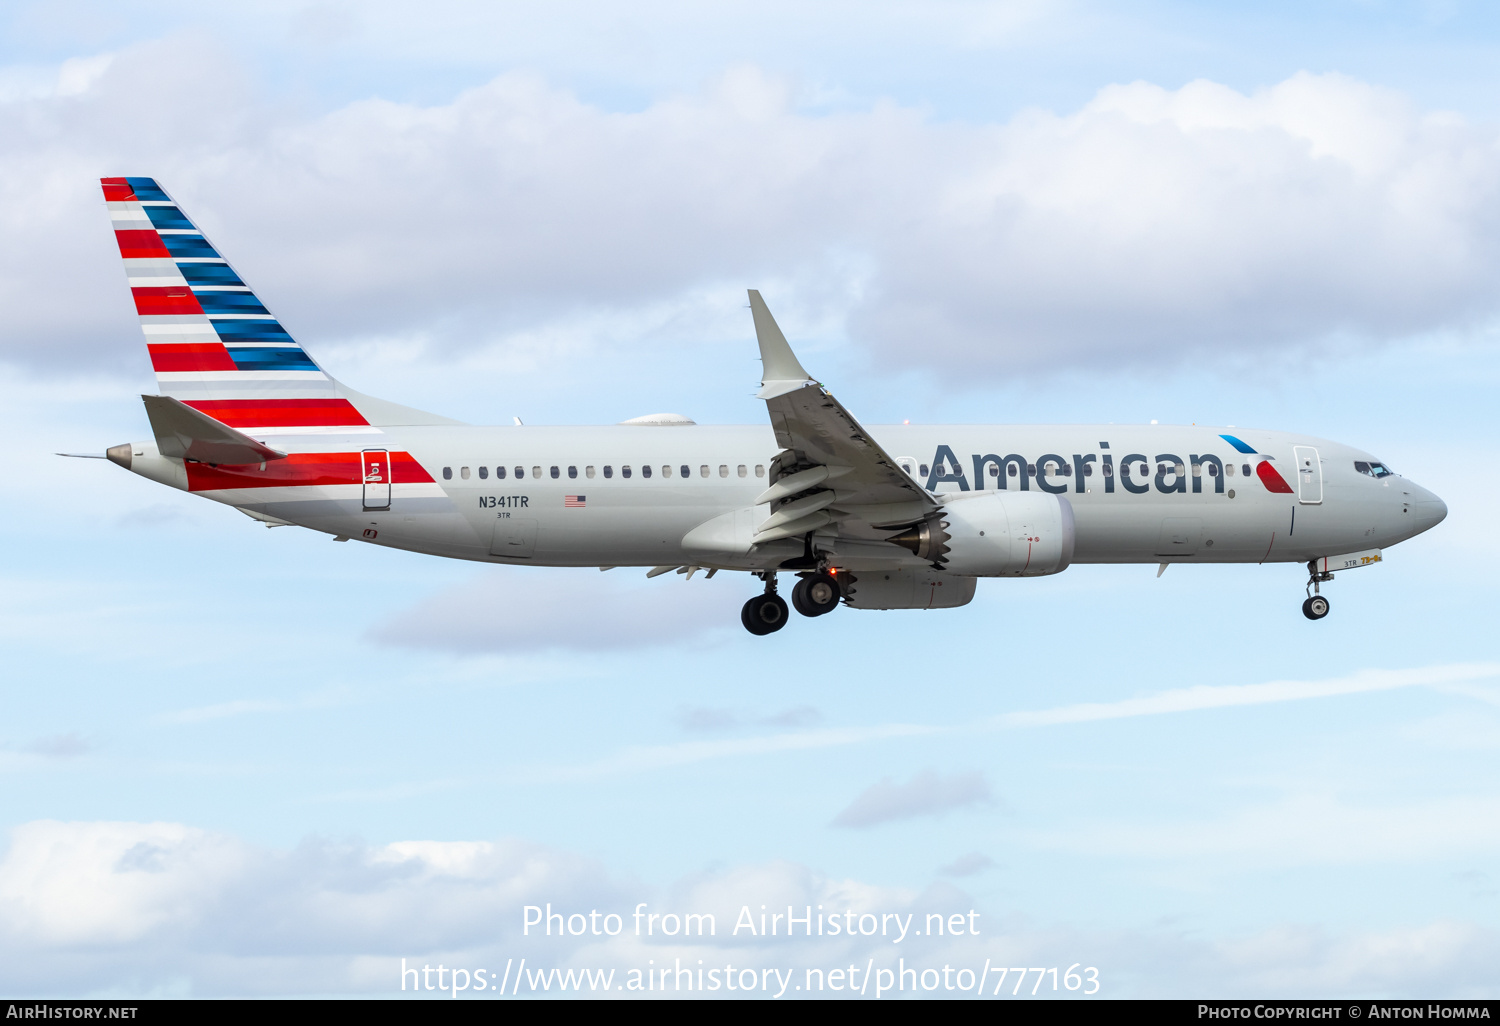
(243, 761)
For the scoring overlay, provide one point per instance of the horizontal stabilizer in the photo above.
(184, 433)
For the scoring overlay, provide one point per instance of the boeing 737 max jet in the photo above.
(902, 517)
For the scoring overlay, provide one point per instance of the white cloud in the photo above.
(1300, 830)
(637, 758)
(60, 746)
(1441, 957)
(704, 718)
(133, 909)
(528, 609)
(1151, 223)
(887, 794)
(103, 883)
(968, 865)
(1219, 696)
(927, 794)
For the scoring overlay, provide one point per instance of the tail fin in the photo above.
(213, 344)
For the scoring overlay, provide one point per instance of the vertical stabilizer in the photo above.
(213, 344)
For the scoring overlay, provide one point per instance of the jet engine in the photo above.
(996, 534)
(906, 589)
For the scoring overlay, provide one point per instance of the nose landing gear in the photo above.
(765, 613)
(1316, 606)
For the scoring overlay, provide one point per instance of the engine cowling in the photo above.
(906, 589)
(997, 534)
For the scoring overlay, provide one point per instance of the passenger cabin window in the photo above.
(463, 472)
(1229, 470)
(994, 470)
(760, 470)
(609, 471)
(520, 473)
(703, 470)
(666, 471)
(554, 473)
(588, 472)
(1013, 470)
(484, 472)
(645, 471)
(686, 470)
(1245, 470)
(500, 473)
(723, 470)
(923, 470)
(1088, 470)
(742, 470)
(625, 472)
(536, 471)
(572, 472)
(447, 473)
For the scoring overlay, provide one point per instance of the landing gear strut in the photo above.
(816, 594)
(766, 613)
(1316, 606)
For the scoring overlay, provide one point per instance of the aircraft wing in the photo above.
(185, 433)
(825, 451)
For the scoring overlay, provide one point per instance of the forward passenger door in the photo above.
(1309, 475)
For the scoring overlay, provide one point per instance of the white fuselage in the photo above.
(1185, 509)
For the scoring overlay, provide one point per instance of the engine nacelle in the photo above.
(997, 534)
(906, 589)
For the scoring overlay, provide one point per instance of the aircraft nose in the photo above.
(1430, 510)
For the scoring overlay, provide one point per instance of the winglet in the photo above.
(780, 370)
(186, 433)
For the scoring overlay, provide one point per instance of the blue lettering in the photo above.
(942, 460)
(1042, 463)
(1168, 465)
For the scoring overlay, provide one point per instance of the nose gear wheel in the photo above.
(1316, 606)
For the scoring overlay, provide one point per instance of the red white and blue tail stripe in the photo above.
(213, 343)
(217, 348)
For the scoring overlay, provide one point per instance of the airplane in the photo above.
(887, 517)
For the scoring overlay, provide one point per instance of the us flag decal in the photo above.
(573, 502)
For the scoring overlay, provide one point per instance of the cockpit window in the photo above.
(1373, 469)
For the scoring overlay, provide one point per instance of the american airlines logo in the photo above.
(1135, 472)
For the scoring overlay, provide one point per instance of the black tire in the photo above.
(1315, 608)
(764, 614)
(816, 595)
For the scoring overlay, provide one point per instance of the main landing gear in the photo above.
(1316, 606)
(814, 595)
(766, 613)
